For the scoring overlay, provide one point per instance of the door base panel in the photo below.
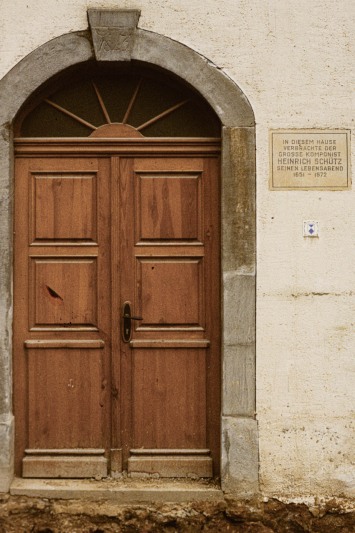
(64, 466)
(170, 466)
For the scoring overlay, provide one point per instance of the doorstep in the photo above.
(125, 490)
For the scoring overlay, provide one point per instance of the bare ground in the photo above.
(20, 514)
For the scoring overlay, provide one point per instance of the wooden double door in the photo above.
(100, 237)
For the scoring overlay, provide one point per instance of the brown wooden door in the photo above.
(92, 233)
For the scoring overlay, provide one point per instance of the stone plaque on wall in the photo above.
(309, 159)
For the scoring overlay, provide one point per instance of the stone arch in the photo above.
(239, 427)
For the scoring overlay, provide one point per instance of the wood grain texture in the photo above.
(168, 207)
(61, 319)
(170, 291)
(64, 291)
(125, 147)
(169, 398)
(65, 402)
(171, 276)
(64, 207)
(92, 233)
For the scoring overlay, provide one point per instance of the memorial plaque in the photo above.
(309, 159)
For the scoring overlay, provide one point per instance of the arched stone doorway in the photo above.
(117, 214)
(239, 430)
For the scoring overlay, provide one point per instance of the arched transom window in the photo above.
(127, 102)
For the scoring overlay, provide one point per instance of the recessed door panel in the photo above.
(65, 402)
(170, 291)
(64, 206)
(64, 291)
(169, 207)
(169, 398)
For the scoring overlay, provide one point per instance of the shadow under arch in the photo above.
(88, 95)
(239, 426)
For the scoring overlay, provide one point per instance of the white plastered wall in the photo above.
(294, 62)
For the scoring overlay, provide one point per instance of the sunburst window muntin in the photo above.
(129, 102)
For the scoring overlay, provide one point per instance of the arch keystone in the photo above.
(113, 33)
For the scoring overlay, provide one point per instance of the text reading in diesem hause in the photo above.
(309, 159)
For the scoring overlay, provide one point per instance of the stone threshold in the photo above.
(121, 491)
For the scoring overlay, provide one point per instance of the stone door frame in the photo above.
(124, 41)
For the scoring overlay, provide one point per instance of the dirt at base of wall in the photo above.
(35, 515)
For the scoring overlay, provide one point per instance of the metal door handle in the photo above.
(127, 321)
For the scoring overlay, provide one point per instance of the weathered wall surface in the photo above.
(294, 62)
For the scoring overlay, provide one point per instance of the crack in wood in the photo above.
(53, 293)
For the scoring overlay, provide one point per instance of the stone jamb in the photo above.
(239, 426)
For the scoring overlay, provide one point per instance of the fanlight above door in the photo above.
(124, 104)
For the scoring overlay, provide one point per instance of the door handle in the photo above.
(127, 321)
